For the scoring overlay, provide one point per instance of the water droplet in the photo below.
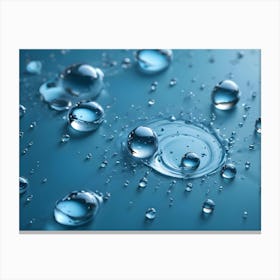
(245, 215)
(172, 118)
(22, 110)
(142, 142)
(247, 164)
(150, 213)
(208, 206)
(29, 198)
(83, 80)
(154, 86)
(34, 67)
(126, 63)
(89, 156)
(44, 180)
(240, 124)
(32, 125)
(65, 138)
(240, 54)
(258, 127)
(23, 185)
(104, 164)
(143, 183)
(151, 102)
(221, 188)
(77, 208)
(126, 183)
(189, 187)
(86, 116)
(190, 161)
(228, 171)
(254, 94)
(225, 95)
(153, 61)
(251, 147)
(172, 82)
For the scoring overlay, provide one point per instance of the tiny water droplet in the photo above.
(126, 63)
(258, 127)
(221, 188)
(104, 164)
(86, 116)
(251, 147)
(172, 118)
(29, 198)
(65, 138)
(33, 124)
(208, 206)
(154, 86)
(153, 61)
(151, 102)
(247, 165)
(225, 95)
(143, 182)
(23, 185)
(34, 67)
(44, 180)
(172, 82)
(190, 161)
(228, 171)
(126, 183)
(150, 213)
(189, 187)
(240, 54)
(77, 208)
(22, 110)
(142, 142)
(245, 215)
(89, 156)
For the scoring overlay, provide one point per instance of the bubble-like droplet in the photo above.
(247, 164)
(151, 102)
(258, 127)
(245, 215)
(153, 61)
(190, 161)
(86, 116)
(142, 142)
(208, 206)
(23, 185)
(65, 138)
(188, 187)
(225, 95)
(77, 208)
(150, 213)
(143, 183)
(228, 171)
(22, 110)
(172, 82)
(34, 67)
(83, 80)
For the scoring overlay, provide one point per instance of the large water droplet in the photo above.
(228, 171)
(34, 67)
(208, 206)
(150, 213)
(83, 80)
(142, 142)
(153, 61)
(77, 208)
(86, 116)
(190, 161)
(258, 126)
(23, 185)
(22, 110)
(225, 95)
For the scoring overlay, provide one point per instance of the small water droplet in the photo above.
(44, 180)
(29, 198)
(34, 67)
(22, 110)
(172, 118)
(208, 206)
(32, 125)
(225, 95)
(247, 165)
(86, 116)
(150, 213)
(89, 156)
(254, 94)
(126, 63)
(172, 82)
(228, 171)
(126, 183)
(23, 185)
(240, 124)
(153, 61)
(240, 54)
(143, 183)
(104, 164)
(245, 215)
(77, 208)
(189, 187)
(154, 86)
(142, 142)
(65, 138)
(251, 147)
(221, 188)
(258, 127)
(151, 102)
(190, 161)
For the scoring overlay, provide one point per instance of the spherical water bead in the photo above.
(77, 208)
(151, 102)
(23, 185)
(172, 82)
(190, 161)
(22, 110)
(245, 215)
(228, 171)
(258, 127)
(150, 213)
(33, 124)
(65, 138)
(153, 61)
(247, 164)
(154, 86)
(83, 80)
(208, 206)
(189, 187)
(34, 67)
(143, 183)
(142, 142)
(225, 95)
(86, 116)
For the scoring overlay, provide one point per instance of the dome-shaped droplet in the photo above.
(190, 161)
(83, 80)
(22, 110)
(142, 142)
(153, 61)
(228, 171)
(34, 67)
(23, 185)
(150, 213)
(208, 206)
(86, 116)
(225, 95)
(258, 126)
(77, 208)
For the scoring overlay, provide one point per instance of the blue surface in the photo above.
(125, 102)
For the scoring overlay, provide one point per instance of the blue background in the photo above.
(126, 103)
